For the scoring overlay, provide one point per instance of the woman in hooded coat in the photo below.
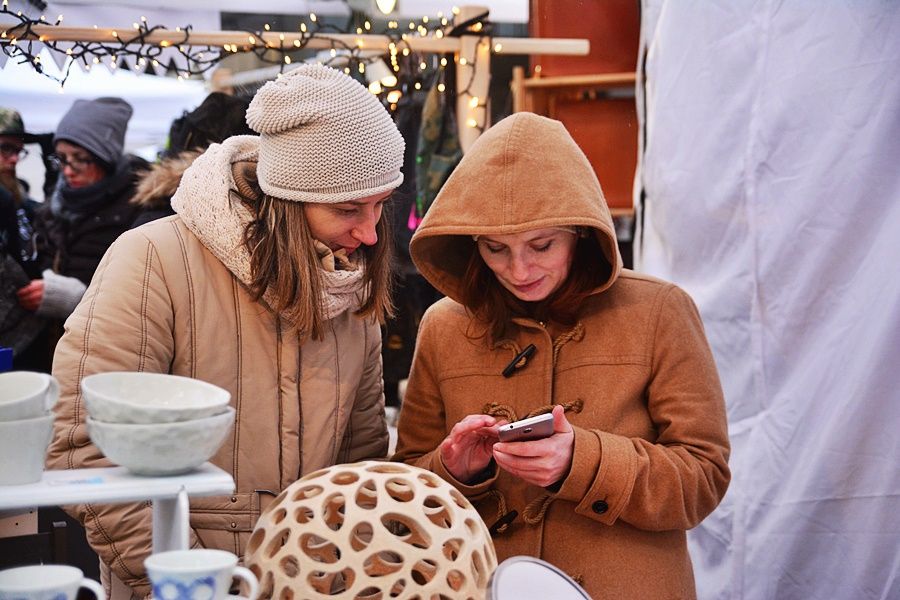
(541, 317)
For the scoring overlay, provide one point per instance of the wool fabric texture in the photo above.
(98, 126)
(218, 218)
(324, 138)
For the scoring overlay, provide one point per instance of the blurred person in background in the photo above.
(218, 117)
(90, 206)
(22, 257)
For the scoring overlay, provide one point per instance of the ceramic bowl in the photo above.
(23, 448)
(132, 397)
(26, 395)
(161, 448)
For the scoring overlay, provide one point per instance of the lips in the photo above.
(528, 287)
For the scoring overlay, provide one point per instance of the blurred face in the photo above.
(77, 165)
(532, 264)
(10, 152)
(346, 225)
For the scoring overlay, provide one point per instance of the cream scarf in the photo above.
(210, 208)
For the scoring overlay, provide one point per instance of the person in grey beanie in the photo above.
(90, 206)
(270, 281)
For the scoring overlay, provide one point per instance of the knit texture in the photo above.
(218, 218)
(97, 126)
(61, 295)
(324, 138)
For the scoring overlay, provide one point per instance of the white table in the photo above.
(111, 485)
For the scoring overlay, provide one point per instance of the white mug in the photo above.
(23, 448)
(45, 582)
(196, 575)
(25, 395)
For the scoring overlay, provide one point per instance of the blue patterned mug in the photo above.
(196, 575)
(45, 582)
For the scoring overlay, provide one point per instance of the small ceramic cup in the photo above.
(193, 574)
(24, 395)
(46, 582)
(23, 448)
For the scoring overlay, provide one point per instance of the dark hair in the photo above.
(283, 258)
(494, 307)
(218, 117)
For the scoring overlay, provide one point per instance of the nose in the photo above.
(518, 268)
(68, 172)
(365, 232)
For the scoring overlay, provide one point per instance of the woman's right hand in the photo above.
(31, 295)
(467, 449)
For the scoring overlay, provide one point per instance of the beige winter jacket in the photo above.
(161, 302)
(635, 374)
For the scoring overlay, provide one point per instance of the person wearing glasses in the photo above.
(21, 256)
(90, 205)
(18, 210)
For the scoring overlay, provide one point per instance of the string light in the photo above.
(130, 47)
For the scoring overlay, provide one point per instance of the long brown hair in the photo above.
(494, 307)
(283, 258)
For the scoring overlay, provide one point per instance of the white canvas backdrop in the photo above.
(156, 102)
(771, 183)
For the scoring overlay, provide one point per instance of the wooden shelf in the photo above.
(581, 81)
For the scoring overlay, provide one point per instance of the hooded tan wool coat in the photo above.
(161, 302)
(635, 373)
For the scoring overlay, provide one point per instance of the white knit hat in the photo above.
(324, 138)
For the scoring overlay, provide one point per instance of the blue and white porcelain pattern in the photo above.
(203, 588)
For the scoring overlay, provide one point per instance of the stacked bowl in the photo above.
(26, 424)
(156, 424)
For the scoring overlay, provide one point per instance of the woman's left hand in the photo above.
(540, 462)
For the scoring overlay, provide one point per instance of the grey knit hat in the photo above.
(324, 138)
(97, 126)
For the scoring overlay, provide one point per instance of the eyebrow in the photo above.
(361, 203)
(528, 241)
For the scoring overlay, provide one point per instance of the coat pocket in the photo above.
(237, 512)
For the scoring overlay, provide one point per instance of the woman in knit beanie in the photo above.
(270, 282)
(89, 207)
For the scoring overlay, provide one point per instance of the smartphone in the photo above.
(533, 428)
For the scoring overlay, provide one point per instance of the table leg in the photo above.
(170, 523)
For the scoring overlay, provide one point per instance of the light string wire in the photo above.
(20, 41)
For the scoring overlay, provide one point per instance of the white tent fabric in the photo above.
(770, 190)
(157, 101)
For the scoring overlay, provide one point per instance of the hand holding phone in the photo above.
(545, 462)
(532, 428)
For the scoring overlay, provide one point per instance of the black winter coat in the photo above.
(83, 223)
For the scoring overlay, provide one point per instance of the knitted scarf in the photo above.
(211, 210)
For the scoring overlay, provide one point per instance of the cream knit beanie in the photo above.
(324, 138)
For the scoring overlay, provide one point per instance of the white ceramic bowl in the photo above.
(23, 448)
(161, 448)
(26, 395)
(132, 397)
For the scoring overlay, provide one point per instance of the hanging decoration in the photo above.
(184, 53)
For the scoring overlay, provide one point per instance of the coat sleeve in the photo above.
(123, 323)
(677, 480)
(423, 424)
(367, 436)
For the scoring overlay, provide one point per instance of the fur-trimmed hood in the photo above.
(155, 189)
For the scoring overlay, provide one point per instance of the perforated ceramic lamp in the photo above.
(371, 530)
